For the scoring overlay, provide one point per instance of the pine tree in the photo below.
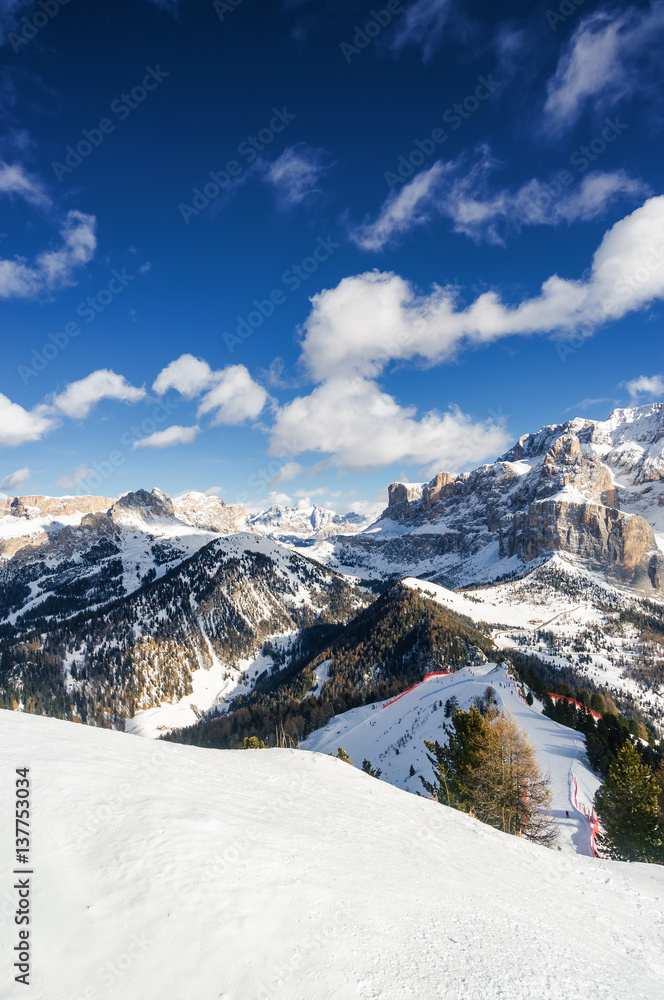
(628, 808)
(451, 706)
(453, 764)
(368, 769)
(342, 755)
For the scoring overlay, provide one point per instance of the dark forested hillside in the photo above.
(387, 646)
(224, 602)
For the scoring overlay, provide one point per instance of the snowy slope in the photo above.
(376, 733)
(164, 871)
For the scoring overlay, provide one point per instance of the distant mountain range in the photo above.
(148, 612)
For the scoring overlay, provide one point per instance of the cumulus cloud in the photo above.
(422, 24)
(362, 427)
(371, 318)
(234, 398)
(16, 479)
(79, 397)
(296, 174)
(72, 480)
(230, 393)
(187, 375)
(19, 426)
(51, 269)
(169, 437)
(14, 180)
(461, 193)
(645, 385)
(603, 62)
(357, 328)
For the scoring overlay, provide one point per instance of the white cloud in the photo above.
(321, 491)
(368, 320)
(371, 318)
(188, 375)
(18, 426)
(79, 397)
(461, 193)
(51, 269)
(264, 502)
(296, 174)
(169, 437)
(15, 479)
(410, 206)
(588, 403)
(234, 398)
(288, 472)
(422, 24)
(645, 385)
(362, 427)
(72, 480)
(15, 180)
(603, 63)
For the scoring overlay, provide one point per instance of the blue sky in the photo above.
(298, 249)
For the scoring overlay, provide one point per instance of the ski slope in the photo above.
(377, 733)
(165, 871)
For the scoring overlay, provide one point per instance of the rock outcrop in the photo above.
(592, 489)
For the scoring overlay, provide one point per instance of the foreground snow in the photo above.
(165, 871)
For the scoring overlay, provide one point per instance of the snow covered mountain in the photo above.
(591, 489)
(190, 638)
(299, 523)
(59, 555)
(169, 871)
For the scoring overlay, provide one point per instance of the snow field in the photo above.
(165, 871)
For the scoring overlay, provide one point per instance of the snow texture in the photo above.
(165, 871)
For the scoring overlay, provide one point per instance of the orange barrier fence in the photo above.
(413, 687)
(571, 701)
(517, 692)
(591, 817)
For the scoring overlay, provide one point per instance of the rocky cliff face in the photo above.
(622, 545)
(592, 489)
(211, 513)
